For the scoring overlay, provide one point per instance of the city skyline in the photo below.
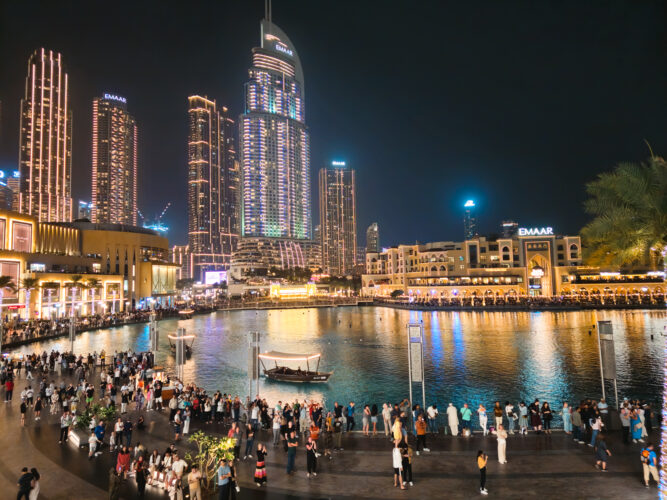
(581, 128)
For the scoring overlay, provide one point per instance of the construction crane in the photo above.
(156, 223)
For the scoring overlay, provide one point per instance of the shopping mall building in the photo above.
(121, 267)
(535, 262)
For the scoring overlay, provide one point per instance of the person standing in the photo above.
(498, 415)
(466, 417)
(501, 434)
(194, 483)
(511, 416)
(535, 420)
(224, 474)
(482, 459)
(601, 453)
(432, 415)
(311, 457)
(567, 418)
(24, 483)
(65, 422)
(453, 419)
(260, 467)
(292, 445)
(421, 434)
(636, 427)
(577, 424)
(9, 389)
(547, 416)
(649, 461)
(483, 419)
(350, 416)
(177, 424)
(406, 457)
(276, 429)
(625, 422)
(386, 419)
(249, 441)
(523, 419)
(34, 492)
(374, 418)
(595, 423)
(140, 476)
(397, 460)
(24, 409)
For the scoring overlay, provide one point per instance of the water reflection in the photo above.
(479, 357)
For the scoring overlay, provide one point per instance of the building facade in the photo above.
(84, 210)
(204, 196)
(115, 162)
(256, 256)
(373, 238)
(230, 178)
(338, 219)
(533, 263)
(274, 142)
(45, 144)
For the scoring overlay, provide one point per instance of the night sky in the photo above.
(514, 104)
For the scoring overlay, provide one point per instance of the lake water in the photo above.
(469, 356)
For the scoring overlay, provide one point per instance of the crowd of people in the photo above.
(126, 382)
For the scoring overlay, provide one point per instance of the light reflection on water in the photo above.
(476, 357)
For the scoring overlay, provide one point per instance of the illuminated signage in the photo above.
(337, 163)
(2, 174)
(16, 174)
(214, 277)
(282, 48)
(469, 203)
(536, 231)
(114, 97)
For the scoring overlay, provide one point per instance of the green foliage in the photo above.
(7, 283)
(342, 282)
(629, 205)
(292, 274)
(396, 293)
(210, 450)
(184, 283)
(108, 414)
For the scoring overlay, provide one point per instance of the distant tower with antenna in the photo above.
(470, 220)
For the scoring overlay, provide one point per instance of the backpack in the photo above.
(645, 456)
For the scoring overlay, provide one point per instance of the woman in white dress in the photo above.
(640, 412)
(34, 492)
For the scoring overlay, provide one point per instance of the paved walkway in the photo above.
(538, 466)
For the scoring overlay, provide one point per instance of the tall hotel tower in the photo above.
(338, 219)
(45, 155)
(275, 146)
(114, 162)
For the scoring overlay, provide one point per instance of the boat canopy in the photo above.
(284, 356)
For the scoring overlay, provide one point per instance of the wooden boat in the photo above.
(187, 347)
(287, 374)
(186, 313)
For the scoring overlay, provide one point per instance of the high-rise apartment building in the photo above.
(274, 140)
(45, 155)
(469, 220)
(204, 200)
(85, 210)
(373, 238)
(230, 189)
(338, 222)
(115, 164)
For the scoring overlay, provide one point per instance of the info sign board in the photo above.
(416, 357)
(607, 355)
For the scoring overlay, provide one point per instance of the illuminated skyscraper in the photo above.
(230, 189)
(338, 219)
(470, 220)
(204, 200)
(114, 162)
(373, 238)
(45, 155)
(275, 145)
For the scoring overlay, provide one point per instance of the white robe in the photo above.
(453, 417)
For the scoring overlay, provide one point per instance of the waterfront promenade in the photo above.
(538, 466)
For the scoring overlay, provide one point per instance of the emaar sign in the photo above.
(114, 97)
(536, 231)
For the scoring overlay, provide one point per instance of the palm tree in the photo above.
(76, 283)
(93, 284)
(629, 206)
(29, 284)
(50, 286)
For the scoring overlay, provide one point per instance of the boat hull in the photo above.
(304, 377)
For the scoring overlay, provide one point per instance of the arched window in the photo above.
(574, 250)
(442, 268)
(434, 269)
